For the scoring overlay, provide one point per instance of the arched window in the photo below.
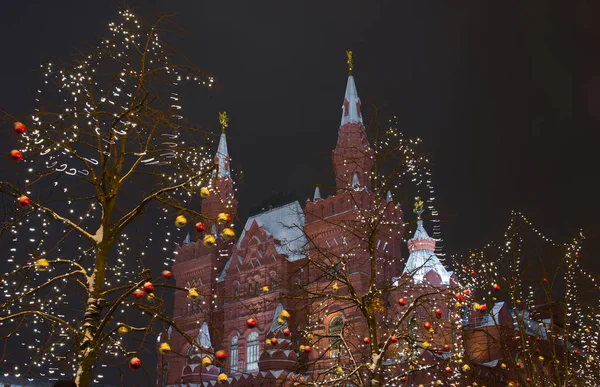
(252, 352)
(250, 289)
(165, 375)
(335, 344)
(233, 365)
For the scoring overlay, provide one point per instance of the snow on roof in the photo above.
(223, 157)
(285, 224)
(423, 259)
(351, 96)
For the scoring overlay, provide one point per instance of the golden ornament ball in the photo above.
(209, 240)
(228, 233)
(193, 294)
(206, 362)
(222, 379)
(204, 192)
(284, 314)
(123, 330)
(42, 264)
(180, 221)
(164, 348)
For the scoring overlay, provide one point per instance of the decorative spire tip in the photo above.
(350, 61)
(224, 120)
(418, 207)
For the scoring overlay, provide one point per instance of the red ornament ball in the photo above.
(200, 227)
(467, 292)
(439, 313)
(148, 287)
(427, 326)
(307, 349)
(367, 341)
(220, 355)
(16, 155)
(404, 379)
(23, 201)
(448, 370)
(518, 365)
(496, 287)
(251, 323)
(274, 341)
(402, 302)
(166, 274)
(394, 339)
(139, 293)
(20, 128)
(528, 380)
(135, 363)
(287, 332)
(483, 308)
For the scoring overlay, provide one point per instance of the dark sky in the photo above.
(506, 95)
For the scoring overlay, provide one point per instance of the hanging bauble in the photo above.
(150, 297)
(402, 302)
(193, 294)
(483, 308)
(200, 227)
(220, 355)
(447, 347)
(467, 292)
(335, 287)
(284, 314)
(209, 240)
(139, 293)
(427, 325)
(476, 307)
(367, 341)
(164, 348)
(287, 332)
(438, 382)
(448, 370)
(204, 192)
(528, 380)
(503, 366)
(339, 370)
(540, 358)
(166, 274)
(280, 321)
(394, 339)
(206, 362)
(122, 330)
(268, 342)
(310, 337)
(222, 379)
(228, 233)
(265, 289)
(135, 363)
(148, 287)
(42, 264)
(274, 341)
(496, 287)
(23, 201)
(466, 368)
(439, 313)
(518, 365)
(307, 349)
(180, 221)
(426, 345)
(16, 155)
(301, 348)
(223, 218)
(20, 128)
(251, 323)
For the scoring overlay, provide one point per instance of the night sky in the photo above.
(505, 95)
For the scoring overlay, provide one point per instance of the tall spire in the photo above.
(317, 194)
(222, 156)
(351, 108)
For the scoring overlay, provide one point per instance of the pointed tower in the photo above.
(352, 156)
(222, 197)
(422, 262)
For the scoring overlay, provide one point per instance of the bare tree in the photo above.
(106, 143)
(533, 312)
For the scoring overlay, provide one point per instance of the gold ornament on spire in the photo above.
(350, 61)
(224, 120)
(418, 206)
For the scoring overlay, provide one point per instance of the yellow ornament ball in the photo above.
(193, 294)
(150, 297)
(228, 233)
(335, 287)
(458, 305)
(301, 349)
(223, 218)
(206, 362)
(466, 368)
(268, 342)
(123, 330)
(180, 221)
(164, 348)
(477, 307)
(42, 264)
(438, 383)
(426, 345)
(503, 366)
(310, 337)
(591, 358)
(280, 321)
(265, 289)
(511, 384)
(339, 370)
(209, 240)
(540, 358)
(204, 192)
(222, 379)
(284, 314)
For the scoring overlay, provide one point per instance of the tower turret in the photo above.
(352, 156)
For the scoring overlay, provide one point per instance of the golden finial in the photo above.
(350, 61)
(224, 120)
(418, 206)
